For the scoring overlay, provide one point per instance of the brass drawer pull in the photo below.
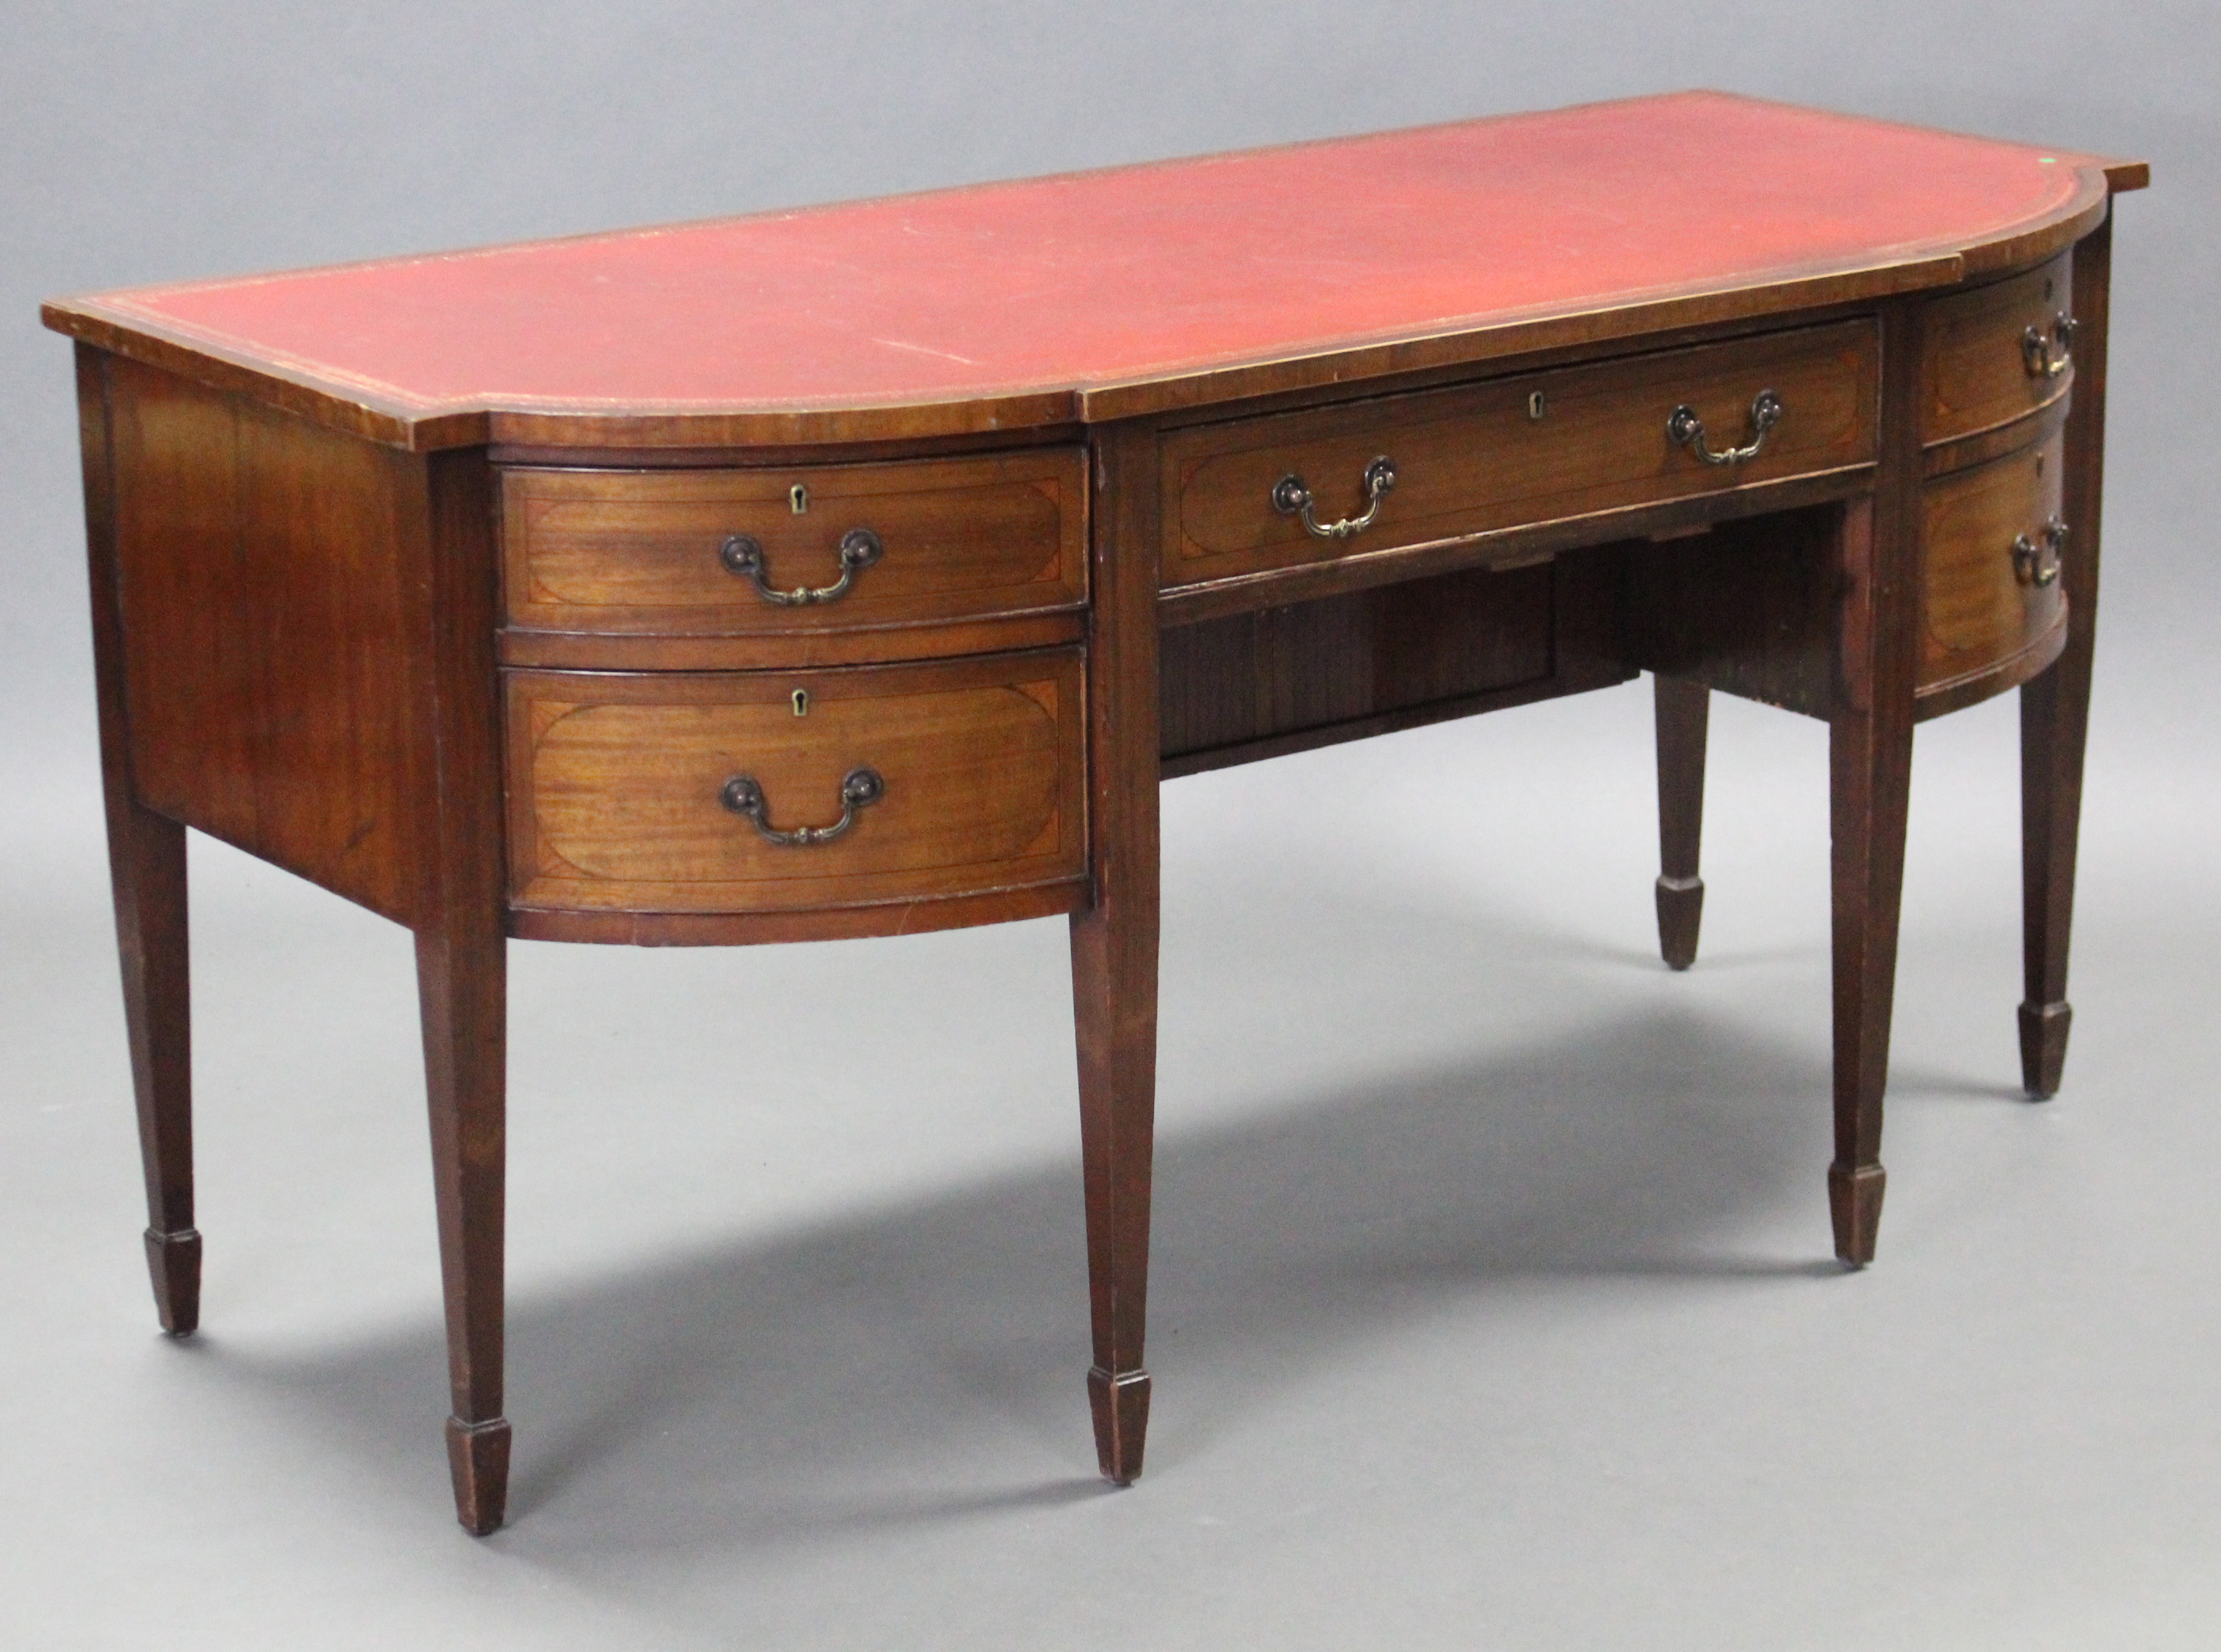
(744, 554)
(860, 788)
(2030, 567)
(1685, 429)
(2048, 354)
(1291, 498)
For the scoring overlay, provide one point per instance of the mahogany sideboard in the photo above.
(861, 570)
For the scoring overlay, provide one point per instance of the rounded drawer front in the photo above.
(754, 791)
(1999, 353)
(805, 549)
(1250, 496)
(1993, 554)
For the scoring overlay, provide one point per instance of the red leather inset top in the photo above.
(1098, 279)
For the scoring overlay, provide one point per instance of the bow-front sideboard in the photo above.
(861, 570)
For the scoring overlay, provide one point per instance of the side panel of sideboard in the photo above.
(271, 577)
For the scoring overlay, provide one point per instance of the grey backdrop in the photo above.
(1492, 1306)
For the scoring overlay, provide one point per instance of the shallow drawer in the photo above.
(711, 553)
(1991, 593)
(665, 792)
(1999, 353)
(1513, 452)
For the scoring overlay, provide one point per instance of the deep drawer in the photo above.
(1513, 452)
(709, 553)
(1992, 551)
(660, 793)
(1999, 353)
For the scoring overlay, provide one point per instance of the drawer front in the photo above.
(1481, 458)
(626, 794)
(1989, 586)
(1980, 369)
(650, 552)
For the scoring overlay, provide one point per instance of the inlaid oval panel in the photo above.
(626, 789)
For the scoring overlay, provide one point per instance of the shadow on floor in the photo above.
(922, 1363)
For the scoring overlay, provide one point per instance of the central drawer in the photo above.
(777, 790)
(1513, 452)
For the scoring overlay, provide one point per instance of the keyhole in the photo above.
(801, 702)
(1536, 405)
(797, 496)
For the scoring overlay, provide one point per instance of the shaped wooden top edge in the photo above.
(1761, 301)
(2054, 232)
(383, 413)
(339, 407)
(420, 428)
(1769, 296)
(1019, 414)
